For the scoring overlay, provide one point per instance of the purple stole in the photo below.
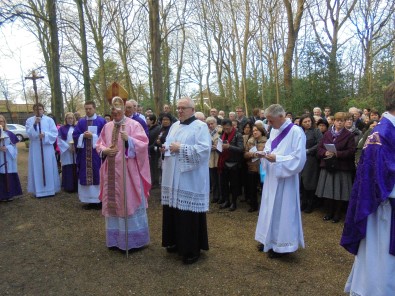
(88, 161)
(375, 179)
(12, 137)
(281, 137)
(63, 131)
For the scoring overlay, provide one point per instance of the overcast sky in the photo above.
(19, 54)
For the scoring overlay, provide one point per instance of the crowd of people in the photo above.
(297, 163)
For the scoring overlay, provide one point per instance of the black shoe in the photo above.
(273, 255)
(214, 200)
(225, 205)
(303, 207)
(220, 202)
(327, 217)
(171, 249)
(260, 247)
(335, 219)
(250, 210)
(308, 210)
(190, 259)
(232, 207)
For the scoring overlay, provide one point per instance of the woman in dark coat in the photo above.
(311, 170)
(229, 164)
(154, 130)
(243, 172)
(335, 181)
(166, 120)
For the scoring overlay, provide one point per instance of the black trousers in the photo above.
(153, 163)
(251, 188)
(214, 183)
(230, 183)
(184, 229)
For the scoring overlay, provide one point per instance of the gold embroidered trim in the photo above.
(373, 139)
(88, 149)
(111, 173)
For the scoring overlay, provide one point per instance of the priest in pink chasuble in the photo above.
(124, 140)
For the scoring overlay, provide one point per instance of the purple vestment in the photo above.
(374, 182)
(82, 159)
(12, 178)
(137, 117)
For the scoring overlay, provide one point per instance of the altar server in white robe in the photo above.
(279, 229)
(49, 133)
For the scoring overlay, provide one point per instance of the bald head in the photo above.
(130, 108)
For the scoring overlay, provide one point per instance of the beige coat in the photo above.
(214, 155)
(253, 166)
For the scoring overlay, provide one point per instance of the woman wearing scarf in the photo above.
(67, 154)
(10, 185)
(229, 163)
(352, 129)
(335, 181)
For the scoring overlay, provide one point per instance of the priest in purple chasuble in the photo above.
(369, 228)
(279, 229)
(186, 184)
(67, 154)
(123, 139)
(10, 186)
(85, 135)
(48, 136)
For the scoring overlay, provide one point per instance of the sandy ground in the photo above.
(54, 246)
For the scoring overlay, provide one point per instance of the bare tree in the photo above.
(331, 16)
(4, 89)
(370, 18)
(294, 19)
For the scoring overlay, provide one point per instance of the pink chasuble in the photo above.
(111, 170)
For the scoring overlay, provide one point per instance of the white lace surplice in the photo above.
(185, 178)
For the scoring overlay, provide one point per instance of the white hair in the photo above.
(191, 103)
(275, 110)
(200, 116)
(209, 119)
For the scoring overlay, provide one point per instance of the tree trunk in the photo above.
(293, 30)
(84, 51)
(55, 61)
(155, 39)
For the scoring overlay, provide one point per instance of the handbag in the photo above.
(330, 163)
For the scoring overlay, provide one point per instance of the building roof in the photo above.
(20, 108)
